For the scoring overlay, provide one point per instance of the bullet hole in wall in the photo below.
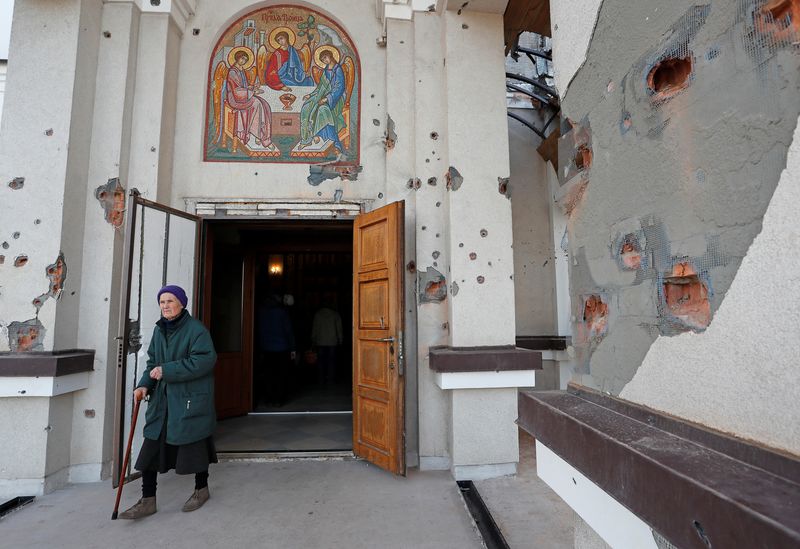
(49, 132)
(438, 204)
(460, 244)
(434, 286)
(481, 279)
(630, 252)
(21, 260)
(195, 32)
(669, 76)
(502, 186)
(57, 274)
(686, 297)
(778, 17)
(411, 267)
(5, 245)
(436, 254)
(484, 233)
(26, 336)
(106, 34)
(454, 289)
(432, 182)
(473, 256)
(595, 316)
(89, 413)
(380, 195)
(376, 122)
(454, 179)
(15, 235)
(37, 221)
(464, 26)
(390, 136)
(112, 200)
(414, 183)
(424, 227)
(17, 183)
(583, 158)
(434, 135)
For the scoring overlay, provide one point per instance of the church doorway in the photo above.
(278, 303)
(299, 397)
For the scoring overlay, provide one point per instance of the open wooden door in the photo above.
(228, 285)
(378, 361)
(161, 247)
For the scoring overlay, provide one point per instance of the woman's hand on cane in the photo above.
(139, 393)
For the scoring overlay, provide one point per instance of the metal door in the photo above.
(161, 247)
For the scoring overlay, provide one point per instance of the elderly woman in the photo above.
(179, 381)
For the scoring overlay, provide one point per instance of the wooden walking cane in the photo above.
(125, 461)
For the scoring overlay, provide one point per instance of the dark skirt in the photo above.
(159, 455)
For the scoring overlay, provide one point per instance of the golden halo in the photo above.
(274, 32)
(334, 52)
(250, 56)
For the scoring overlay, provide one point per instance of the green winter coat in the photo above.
(187, 357)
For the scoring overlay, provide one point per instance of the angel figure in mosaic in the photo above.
(285, 66)
(250, 114)
(325, 111)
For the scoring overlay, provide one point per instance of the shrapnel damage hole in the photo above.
(670, 76)
(686, 296)
(595, 315)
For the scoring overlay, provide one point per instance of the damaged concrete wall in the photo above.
(195, 178)
(671, 149)
(43, 167)
(748, 355)
(572, 24)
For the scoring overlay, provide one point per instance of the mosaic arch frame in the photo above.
(283, 86)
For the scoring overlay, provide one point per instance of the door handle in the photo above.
(381, 339)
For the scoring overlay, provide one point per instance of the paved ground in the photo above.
(287, 504)
(527, 511)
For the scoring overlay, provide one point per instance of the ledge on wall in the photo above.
(45, 374)
(694, 486)
(484, 367)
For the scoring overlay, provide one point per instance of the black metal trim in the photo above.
(535, 83)
(15, 504)
(490, 532)
(526, 123)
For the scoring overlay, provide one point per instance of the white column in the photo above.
(155, 89)
(110, 138)
(480, 228)
(44, 146)
(432, 257)
(484, 438)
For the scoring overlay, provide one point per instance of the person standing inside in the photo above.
(326, 336)
(180, 418)
(277, 346)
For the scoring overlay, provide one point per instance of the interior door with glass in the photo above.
(378, 361)
(161, 247)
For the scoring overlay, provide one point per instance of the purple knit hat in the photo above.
(177, 291)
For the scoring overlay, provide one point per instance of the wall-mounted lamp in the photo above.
(275, 265)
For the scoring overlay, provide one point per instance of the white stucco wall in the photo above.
(748, 355)
(193, 177)
(572, 23)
